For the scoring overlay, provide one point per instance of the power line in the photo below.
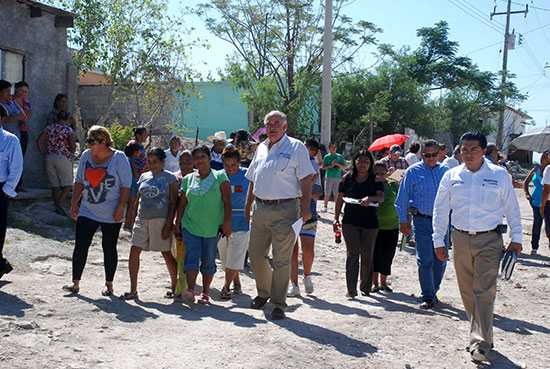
(531, 6)
(475, 16)
(483, 48)
(481, 13)
(544, 33)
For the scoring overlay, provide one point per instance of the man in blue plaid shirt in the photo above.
(417, 193)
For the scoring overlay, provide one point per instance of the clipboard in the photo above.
(397, 175)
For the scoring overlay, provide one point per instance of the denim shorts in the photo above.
(200, 251)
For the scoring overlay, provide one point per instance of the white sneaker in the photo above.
(533, 252)
(293, 290)
(308, 284)
(324, 209)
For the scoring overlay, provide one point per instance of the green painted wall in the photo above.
(217, 109)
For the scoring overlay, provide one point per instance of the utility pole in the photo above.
(327, 76)
(500, 128)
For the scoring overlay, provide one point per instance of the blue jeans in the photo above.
(200, 250)
(430, 268)
(537, 225)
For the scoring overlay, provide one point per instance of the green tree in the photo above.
(278, 51)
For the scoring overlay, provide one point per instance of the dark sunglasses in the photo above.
(434, 155)
(92, 141)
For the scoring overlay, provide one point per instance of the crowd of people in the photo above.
(243, 196)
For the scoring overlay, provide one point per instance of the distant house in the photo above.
(34, 49)
(515, 123)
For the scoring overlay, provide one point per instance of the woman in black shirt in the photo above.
(360, 223)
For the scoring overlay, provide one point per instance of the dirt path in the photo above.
(41, 327)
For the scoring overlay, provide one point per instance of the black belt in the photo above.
(472, 233)
(273, 202)
(423, 215)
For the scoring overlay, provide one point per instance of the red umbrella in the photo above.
(388, 141)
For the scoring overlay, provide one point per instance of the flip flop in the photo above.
(204, 298)
(72, 289)
(129, 296)
(189, 296)
(169, 295)
(107, 292)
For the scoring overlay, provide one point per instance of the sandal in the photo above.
(129, 296)
(72, 289)
(189, 296)
(169, 295)
(376, 288)
(386, 288)
(237, 290)
(107, 292)
(204, 298)
(178, 297)
(225, 294)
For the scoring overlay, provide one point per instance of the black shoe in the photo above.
(351, 295)
(277, 314)
(365, 293)
(427, 304)
(258, 302)
(7, 268)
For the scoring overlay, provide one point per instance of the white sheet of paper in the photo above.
(296, 228)
(351, 200)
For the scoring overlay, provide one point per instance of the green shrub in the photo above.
(120, 135)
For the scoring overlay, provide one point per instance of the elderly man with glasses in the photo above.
(417, 193)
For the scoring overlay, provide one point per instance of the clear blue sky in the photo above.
(480, 38)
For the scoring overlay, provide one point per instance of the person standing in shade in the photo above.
(280, 182)
(478, 193)
(360, 223)
(21, 90)
(412, 155)
(11, 167)
(417, 192)
(220, 141)
(333, 163)
(388, 231)
(535, 198)
(13, 112)
(173, 155)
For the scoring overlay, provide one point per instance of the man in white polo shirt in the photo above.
(280, 182)
(478, 193)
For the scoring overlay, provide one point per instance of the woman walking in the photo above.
(388, 230)
(157, 198)
(103, 183)
(535, 198)
(360, 223)
(204, 212)
(139, 166)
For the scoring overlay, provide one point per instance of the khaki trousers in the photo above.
(476, 260)
(272, 225)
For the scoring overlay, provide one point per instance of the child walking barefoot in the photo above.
(157, 197)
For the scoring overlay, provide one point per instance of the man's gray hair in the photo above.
(430, 143)
(275, 113)
(491, 147)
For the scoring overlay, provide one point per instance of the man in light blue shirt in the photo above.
(11, 167)
(417, 192)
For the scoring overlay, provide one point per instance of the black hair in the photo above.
(132, 148)
(175, 138)
(139, 130)
(475, 136)
(242, 135)
(382, 152)
(62, 115)
(232, 134)
(158, 152)
(312, 143)
(333, 143)
(186, 153)
(491, 147)
(456, 150)
(21, 84)
(201, 147)
(379, 163)
(3, 112)
(429, 143)
(231, 152)
(353, 173)
(263, 135)
(4, 84)
(58, 98)
(414, 148)
(442, 146)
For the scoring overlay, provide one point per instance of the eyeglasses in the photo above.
(434, 155)
(92, 141)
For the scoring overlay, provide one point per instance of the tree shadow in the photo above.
(12, 305)
(123, 311)
(344, 344)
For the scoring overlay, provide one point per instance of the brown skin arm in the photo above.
(526, 184)
(167, 229)
(179, 214)
(14, 118)
(545, 193)
(337, 209)
(225, 188)
(305, 200)
(118, 215)
(516, 247)
(249, 199)
(441, 253)
(72, 143)
(77, 194)
(40, 143)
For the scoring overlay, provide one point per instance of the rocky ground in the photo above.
(42, 327)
